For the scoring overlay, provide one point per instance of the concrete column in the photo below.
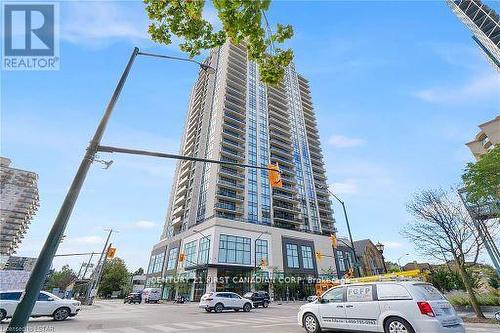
(211, 280)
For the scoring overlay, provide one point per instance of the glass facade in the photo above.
(155, 263)
(234, 250)
(204, 250)
(292, 255)
(301, 159)
(258, 188)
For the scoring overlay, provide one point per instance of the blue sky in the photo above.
(398, 88)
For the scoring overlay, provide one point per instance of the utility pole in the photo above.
(87, 265)
(42, 266)
(96, 275)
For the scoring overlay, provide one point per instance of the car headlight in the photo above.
(76, 304)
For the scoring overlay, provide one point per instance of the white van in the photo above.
(390, 307)
(151, 295)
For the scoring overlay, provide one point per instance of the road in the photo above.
(116, 317)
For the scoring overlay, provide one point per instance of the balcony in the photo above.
(234, 119)
(233, 127)
(231, 173)
(228, 208)
(231, 184)
(233, 144)
(230, 196)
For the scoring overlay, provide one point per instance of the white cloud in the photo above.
(86, 240)
(480, 88)
(392, 244)
(341, 141)
(348, 186)
(145, 224)
(97, 23)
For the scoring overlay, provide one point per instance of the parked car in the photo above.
(395, 306)
(312, 298)
(220, 301)
(151, 295)
(46, 305)
(258, 298)
(133, 298)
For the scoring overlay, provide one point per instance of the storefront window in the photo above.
(307, 258)
(190, 254)
(260, 251)
(172, 258)
(292, 256)
(234, 250)
(203, 251)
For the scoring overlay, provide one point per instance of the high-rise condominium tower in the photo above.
(18, 204)
(484, 23)
(228, 220)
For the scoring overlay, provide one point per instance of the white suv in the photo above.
(224, 300)
(402, 307)
(47, 304)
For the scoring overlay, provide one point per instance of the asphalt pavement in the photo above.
(116, 317)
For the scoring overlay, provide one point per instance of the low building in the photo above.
(424, 266)
(18, 204)
(369, 257)
(344, 257)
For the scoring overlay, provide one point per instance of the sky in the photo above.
(398, 89)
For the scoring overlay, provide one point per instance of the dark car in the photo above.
(133, 298)
(258, 298)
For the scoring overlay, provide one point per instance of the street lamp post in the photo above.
(356, 263)
(42, 266)
(380, 248)
(399, 260)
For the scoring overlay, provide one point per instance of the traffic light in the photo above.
(182, 256)
(319, 255)
(111, 252)
(333, 239)
(274, 175)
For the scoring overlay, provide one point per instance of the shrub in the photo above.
(460, 298)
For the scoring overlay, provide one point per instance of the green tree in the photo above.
(115, 277)
(60, 279)
(140, 271)
(482, 178)
(243, 21)
(392, 267)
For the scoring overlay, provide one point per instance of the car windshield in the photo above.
(248, 295)
(430, 293)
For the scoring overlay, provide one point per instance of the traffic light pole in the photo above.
(96, 277)
(356, 263)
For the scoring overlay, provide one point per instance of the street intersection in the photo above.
(114, 316)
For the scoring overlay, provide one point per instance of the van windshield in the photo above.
(430, 293)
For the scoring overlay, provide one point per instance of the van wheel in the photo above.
(247, 307)
(265, 304)
(61, 314)
(218, 307)
(3, 314)
(397, 325)
(310, 323)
